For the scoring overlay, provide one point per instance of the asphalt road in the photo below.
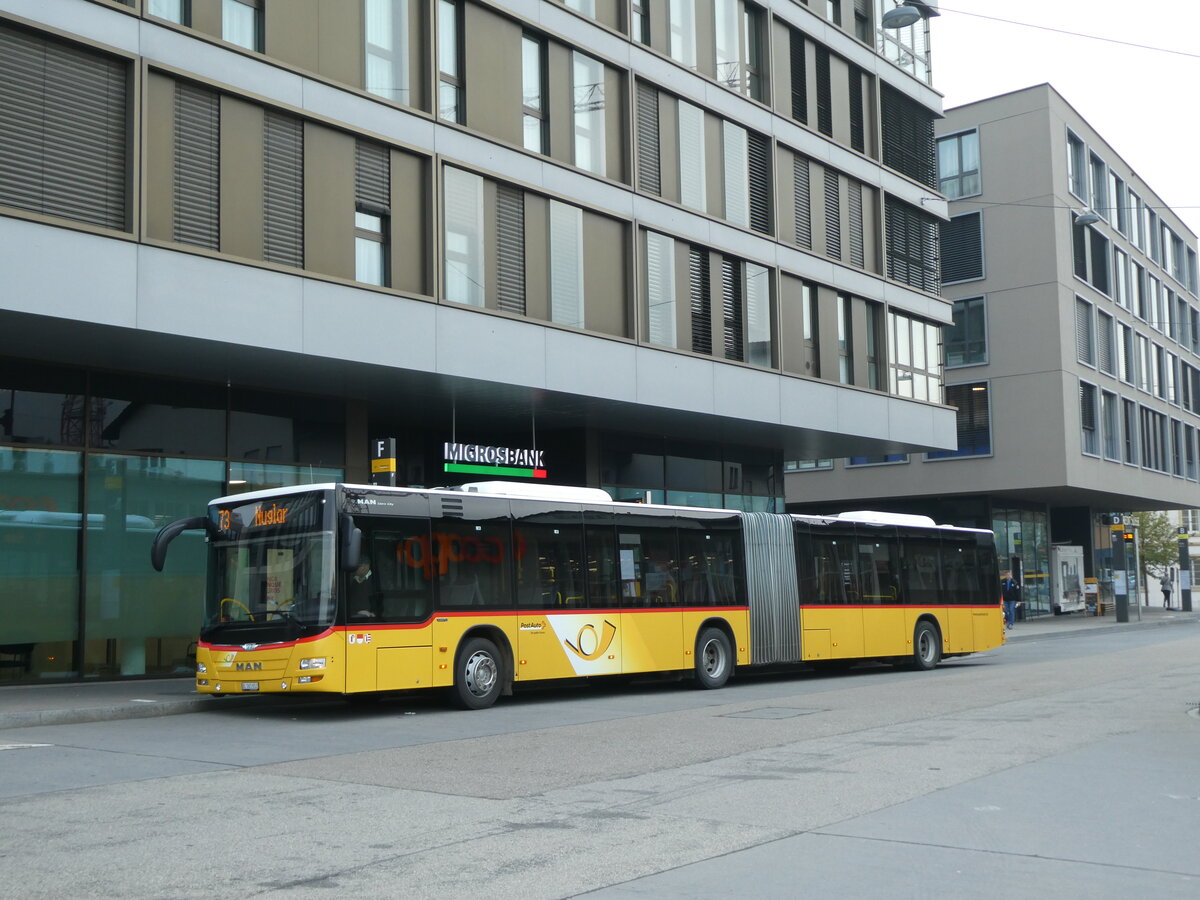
(1065, 768)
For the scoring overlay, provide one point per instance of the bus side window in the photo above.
(470, 560)
(603, 575)
(550, 568)
(920, 570)
(399, 587)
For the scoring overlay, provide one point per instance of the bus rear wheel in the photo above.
(927, 647)
(714, 659)
(478, 676)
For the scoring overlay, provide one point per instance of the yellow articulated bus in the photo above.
(353, 589)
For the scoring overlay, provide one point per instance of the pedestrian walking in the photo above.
(1011, 592)
(1166, 589)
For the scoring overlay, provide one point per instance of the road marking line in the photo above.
(22, 746)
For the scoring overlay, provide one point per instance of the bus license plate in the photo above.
(249, 685)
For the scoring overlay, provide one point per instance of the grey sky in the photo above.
(1144, 102)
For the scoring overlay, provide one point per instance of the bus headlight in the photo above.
(316, 662)
(201, 668)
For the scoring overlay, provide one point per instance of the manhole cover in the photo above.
(772, 712)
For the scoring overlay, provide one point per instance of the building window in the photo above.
(1189, 452)
(737, 188)
(966, 339)
(649, 163)
(370, 240)
(566, 264)
(660, 289)
(463, 214)
(700, 296)
(241, 23)
(1091, 256)
(683, 31)
(1129, 421)
(1111, 417)
(881, 459)
(373, 188)
(1145, 362)
(753, 56)
(1137, 220)
(177, 11)
(1085, 335)
(958, 165)
(1099, 186)
(533, 92)
(972, 420)
(1105, 343)
(962, 248)
(1126, 356)
(692, 179)
(798, 64)
(1121, 278)
(1116, 189)
(588, 87)
(1077, 167)
(450, 75)
(386, 25)
(913, 360)
(758, 315)
(196, 188)
(807, 465)
(906, 47)
(845, 339)
(641, 21)
(64, 120)
(906, 129)
(873, 342)
(912, 245)
(1088, 419)
(728, 40)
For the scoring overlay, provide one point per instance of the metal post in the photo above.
(1120, 576)
(1185, 572)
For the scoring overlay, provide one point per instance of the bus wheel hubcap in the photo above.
(714, 659)
(480, 674)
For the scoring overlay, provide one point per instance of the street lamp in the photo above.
(1086, 218)
(909, 12)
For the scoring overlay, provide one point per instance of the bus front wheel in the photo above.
(478, 676)
(927, 646)
(714, 659)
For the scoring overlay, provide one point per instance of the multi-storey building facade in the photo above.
(663, 242)
(1074, 355)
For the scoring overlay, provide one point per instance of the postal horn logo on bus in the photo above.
(274, 515)
(588, 645)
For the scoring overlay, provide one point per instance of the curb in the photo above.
(1014, 638)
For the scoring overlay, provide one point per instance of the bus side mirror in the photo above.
(168, 533)
(351, 543)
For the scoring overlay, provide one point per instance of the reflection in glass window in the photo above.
(129, 629)
(588, 83)
(533, 109)
(958, 165)
(914, 368)
(470, 561)
(370, 261)
(464, 236)
(39, 568)
(758, 315)
(566, 264)
(450, 83)
(240, 23)
(171, 10)
(660, 289)
(683, 31)
(692, 177)
(972, 420)
(386, 24)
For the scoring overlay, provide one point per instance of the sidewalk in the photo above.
(64, 704)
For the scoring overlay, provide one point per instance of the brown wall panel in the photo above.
(410, 223)
(493, 74)
(290, 33)
(605, 278)
(241, 178)
(537, 257)
(206, 16)
(340, 39)
(615, 122)
(561, 104)
(328, 201)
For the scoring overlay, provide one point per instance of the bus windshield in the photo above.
(272, 579)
